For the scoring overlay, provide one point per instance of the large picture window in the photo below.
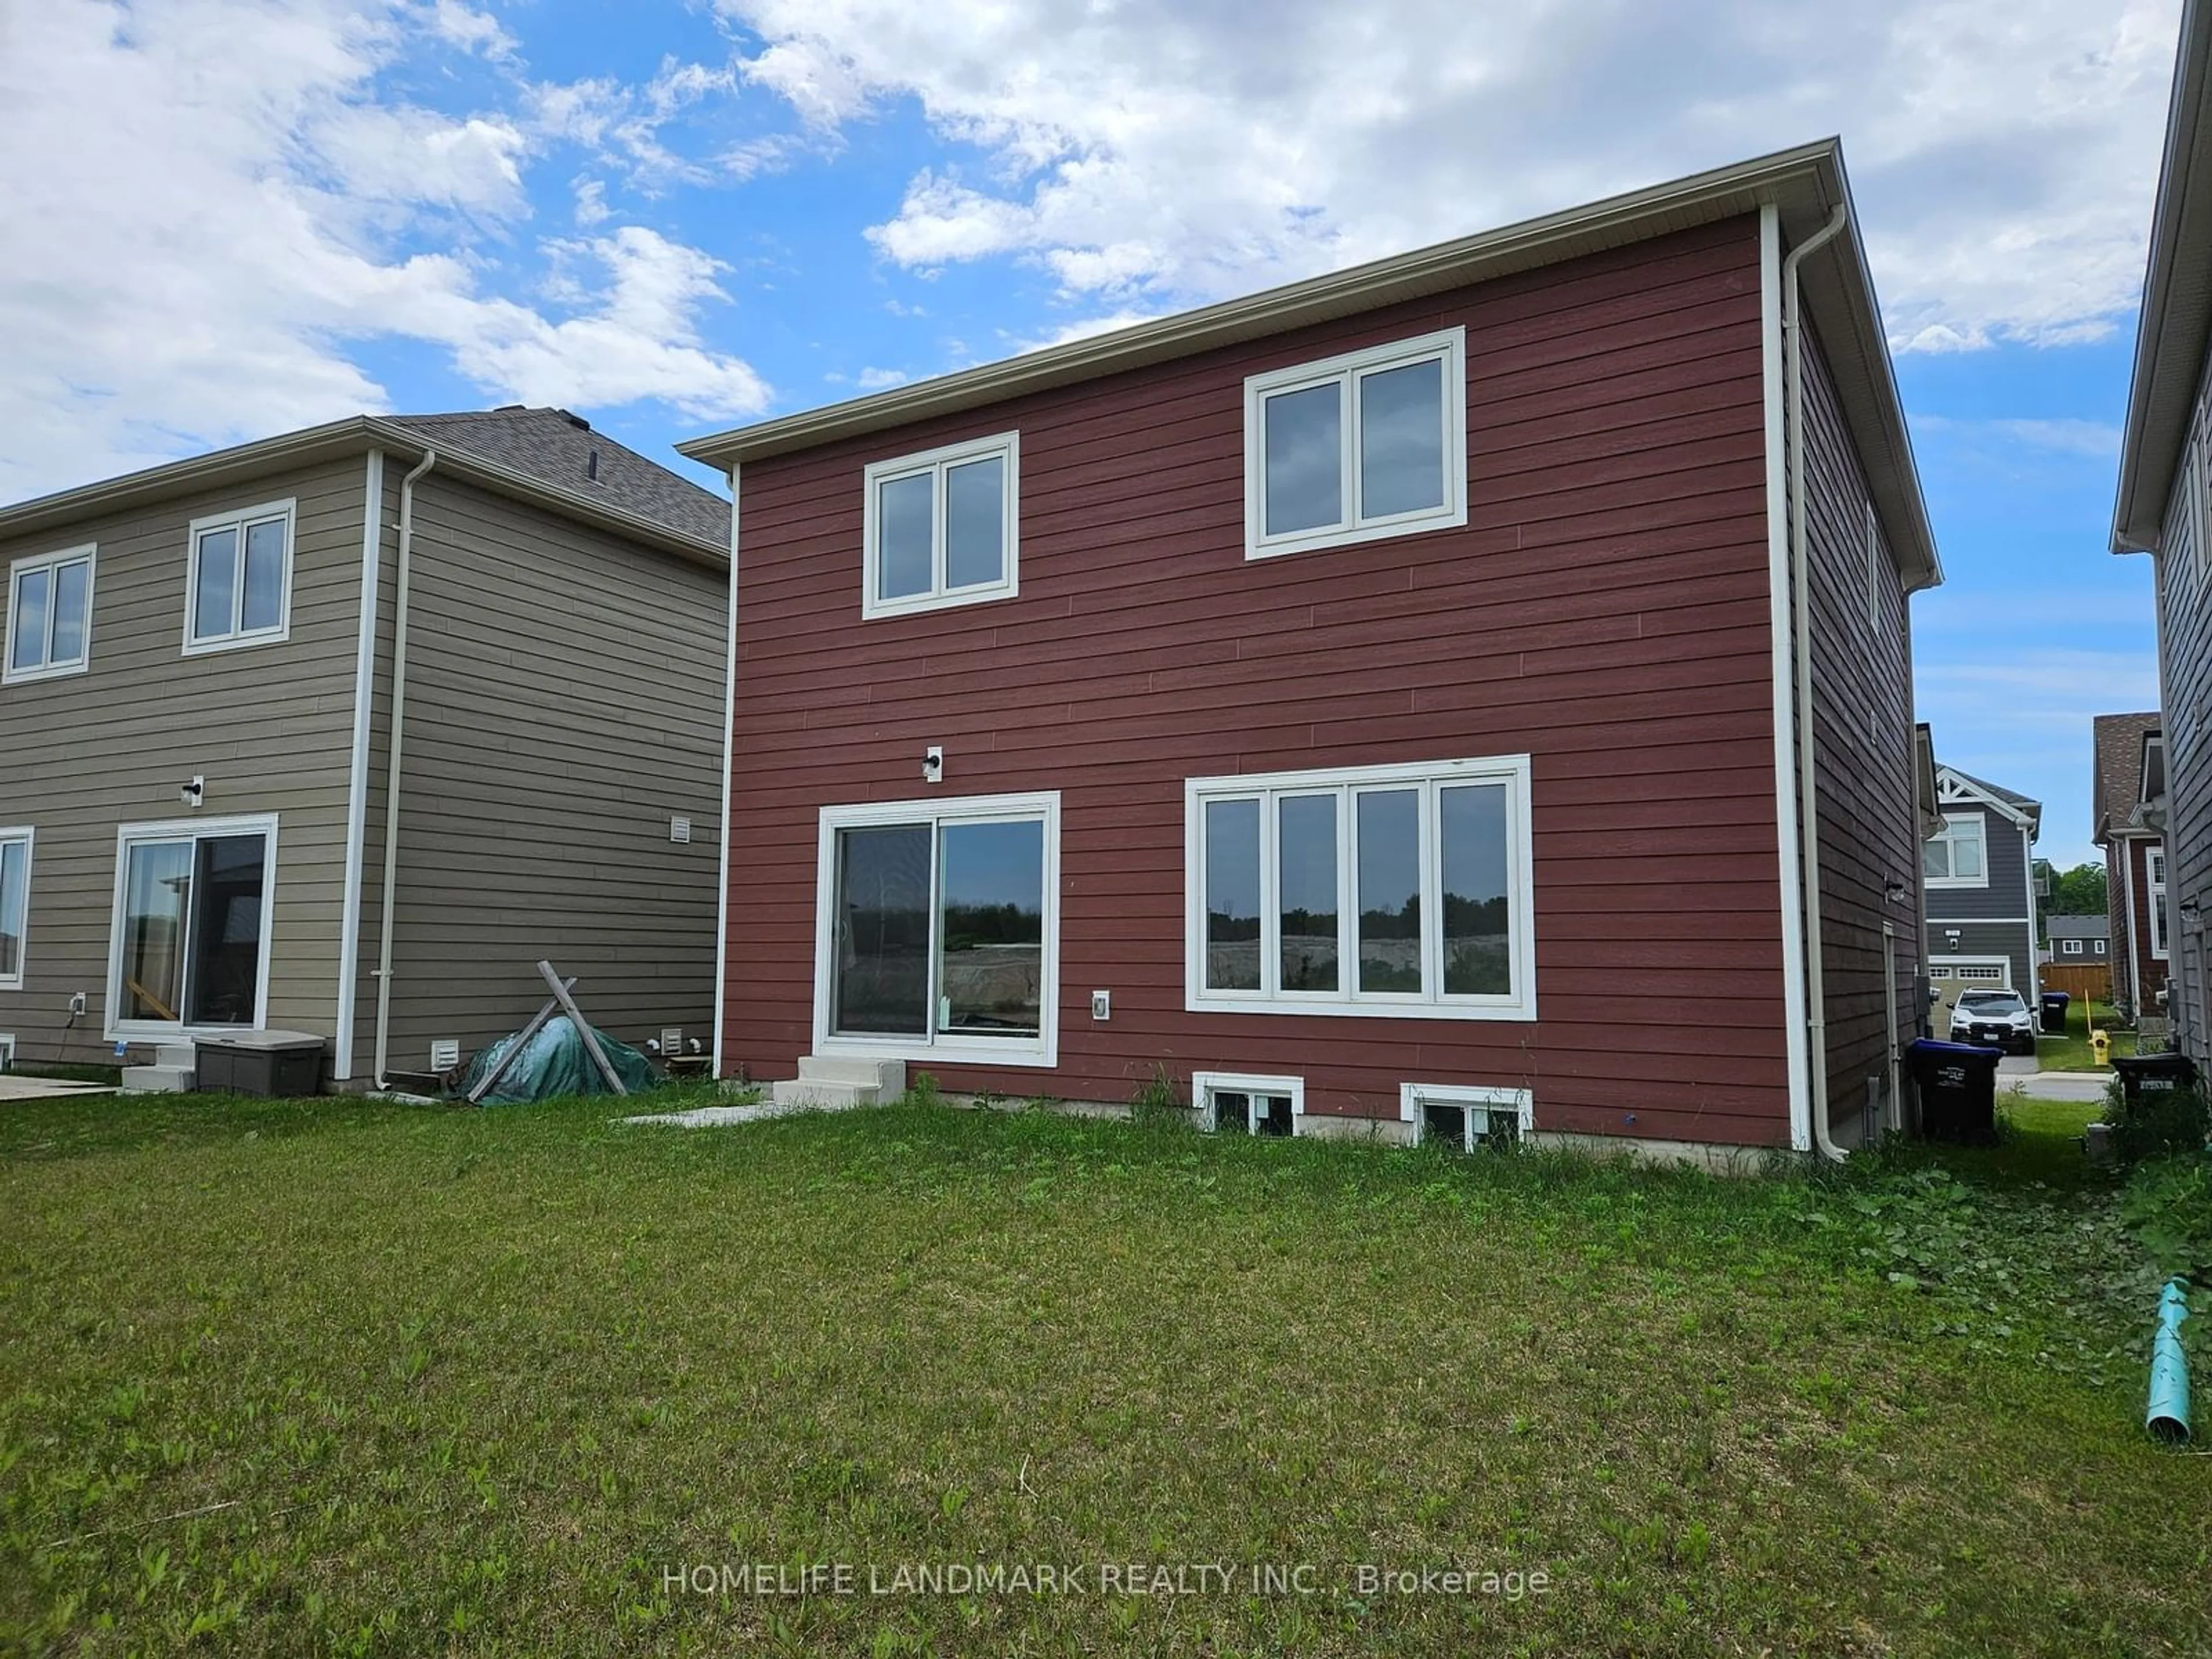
(1958, 856)
(190, 949)
(939, 930)
(940, 527)
(49, 615)
(15, 904)
(239, 586)
(1356, 448)
(1383, 890)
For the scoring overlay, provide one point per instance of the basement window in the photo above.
(1231, 1102)
(1456, 1114)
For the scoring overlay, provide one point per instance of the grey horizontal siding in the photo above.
(1988, 939)
(268, 725)
(564, 700)
(2006, 895)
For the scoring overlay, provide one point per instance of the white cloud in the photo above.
(218, 229)
(1156, 152)
(880, 379)
(461, 25)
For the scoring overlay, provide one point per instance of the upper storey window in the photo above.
(939, 527)
(239, 590)
(1367, 444)
(1958, 855)
(49, 614)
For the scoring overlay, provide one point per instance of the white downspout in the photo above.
(1800, 644)
(729, 757)
(389, 891)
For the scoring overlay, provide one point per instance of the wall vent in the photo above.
(679, 829)
(445, 1054)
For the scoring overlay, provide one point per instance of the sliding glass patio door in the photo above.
(192, 925)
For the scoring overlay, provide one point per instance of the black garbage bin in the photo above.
(2153, 1074)
(1957, 1083)
(2054, 1013)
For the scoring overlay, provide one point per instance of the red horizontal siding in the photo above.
(1604, 610)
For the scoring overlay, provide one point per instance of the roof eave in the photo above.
(1805, 183)
(355, 434)
(2176, 318)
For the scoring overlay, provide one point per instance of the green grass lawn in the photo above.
(337, 1378)
(2071, 1053)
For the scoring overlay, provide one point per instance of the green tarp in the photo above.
(555, 1063)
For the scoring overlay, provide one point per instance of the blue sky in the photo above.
(253, 215)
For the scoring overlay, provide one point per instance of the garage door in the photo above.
(1952, 975)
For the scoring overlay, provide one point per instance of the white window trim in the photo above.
(157, 1031)
(89, 556)
(1953, 821)
(2099, 943)
(7, 1051)
(1511, 770)
(1205, 1085)
(1041, 1052)
(289, 510)
(1005, 444)
(2070, 947)
(29, 837)
(1449, 345)
(2155, 874)
(1412, 1097)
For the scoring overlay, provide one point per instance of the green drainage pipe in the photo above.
(2168, 1418)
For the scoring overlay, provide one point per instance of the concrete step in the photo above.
(812, 1094)
(886, 1077)
(182, 1054)
(157, 1080)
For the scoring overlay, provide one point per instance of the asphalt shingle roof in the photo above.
(560, 449)
(2079, 927)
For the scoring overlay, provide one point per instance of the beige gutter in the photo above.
(1805, 184)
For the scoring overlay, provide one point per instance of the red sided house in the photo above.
(2128, 793)
(1376, 703)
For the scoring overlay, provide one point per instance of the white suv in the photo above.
(1996, 1020)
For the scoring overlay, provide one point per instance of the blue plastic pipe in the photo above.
(2168, 1416)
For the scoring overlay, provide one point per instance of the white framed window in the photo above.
(2099, 943)
(189, 950)
(1234, 1102)
(1465, 1116)
(2154, 867)
(14, 902)
(237, 589)
(1959, 855)
(1357, 447)
(49, 614)
(2070, 947)
(1378, 890)
(938, 930)
(942, 528)
(7, 1051)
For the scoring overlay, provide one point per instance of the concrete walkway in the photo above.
(2082, 1086)
(13, 1085)
(718, 1117)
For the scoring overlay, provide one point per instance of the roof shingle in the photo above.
(2117, 782)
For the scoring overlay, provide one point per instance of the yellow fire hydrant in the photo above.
(2101, 1047)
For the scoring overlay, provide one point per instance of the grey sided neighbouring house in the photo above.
(341, 731)
(1977, 876)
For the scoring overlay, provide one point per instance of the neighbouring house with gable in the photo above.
(1466, 693)
(2079, 941)
(2128, 806)
(1977, 877)
(340, 732)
